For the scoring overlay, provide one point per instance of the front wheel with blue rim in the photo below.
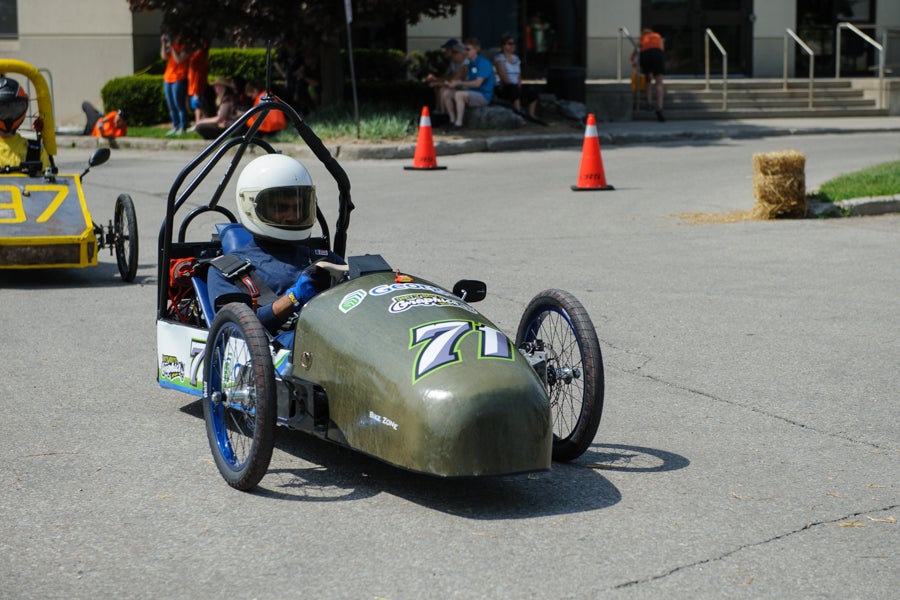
(239, 397)
(557, 324)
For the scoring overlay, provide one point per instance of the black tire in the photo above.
(574, 368)
(126, 237)
(239, 397)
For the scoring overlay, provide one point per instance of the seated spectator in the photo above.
(509, 76)
(243, 102)
(109, 126)
(475, 91)
(275, 120)
(456, 69)
(226, 114)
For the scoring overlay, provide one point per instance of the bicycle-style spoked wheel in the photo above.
(239, 397)
(557, 322)
(126, 237)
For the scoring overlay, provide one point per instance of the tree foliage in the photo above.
(316, 22)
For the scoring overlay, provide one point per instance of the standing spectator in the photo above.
(509, 74)
(653, 67)
(198, 72)
(477, 90)
(289, 64)
(309, 83)
(210, 128)
(175, 82)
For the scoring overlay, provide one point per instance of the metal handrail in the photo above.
(812, 61)
(711, 35)
(623, 35)
(866, 38)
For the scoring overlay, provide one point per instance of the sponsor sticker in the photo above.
(381, 290)
(352, 300)
(405, 302)
(383, 420)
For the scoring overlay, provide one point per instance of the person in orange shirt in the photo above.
(175, 82)
(653, 67)
(109, 126)
(198, 72)
(274, 122)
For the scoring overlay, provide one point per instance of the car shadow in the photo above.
(104, 274)
(333, 473)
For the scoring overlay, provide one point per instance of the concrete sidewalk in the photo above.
(531, 137)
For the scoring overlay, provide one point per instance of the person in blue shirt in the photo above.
(276, 203)
(477, 90)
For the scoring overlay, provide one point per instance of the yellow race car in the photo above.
(44, 219)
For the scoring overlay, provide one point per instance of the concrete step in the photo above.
(747, 98)
(712, 103)
(702, 95)
(757, 84)
(675, 114)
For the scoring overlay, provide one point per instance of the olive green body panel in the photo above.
(418, 378)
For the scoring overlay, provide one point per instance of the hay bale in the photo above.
(779, 184)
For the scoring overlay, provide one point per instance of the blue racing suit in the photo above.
(279, 265)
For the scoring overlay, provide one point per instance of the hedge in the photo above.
(141, 96)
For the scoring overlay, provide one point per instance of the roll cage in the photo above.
(234, 142)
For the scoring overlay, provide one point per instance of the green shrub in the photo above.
(247, 63)
(141, 96)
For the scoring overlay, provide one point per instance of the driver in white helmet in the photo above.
(276, 202)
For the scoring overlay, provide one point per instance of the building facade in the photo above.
(78, 46)
(592, 33)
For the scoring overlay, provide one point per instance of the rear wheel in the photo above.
(126, 237)
(557, 322)
(239, 398)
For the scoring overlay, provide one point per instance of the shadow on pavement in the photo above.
(333, 473)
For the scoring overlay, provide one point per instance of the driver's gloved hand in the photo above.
(321, 277)
(302, 291)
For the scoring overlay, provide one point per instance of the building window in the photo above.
(9, 22)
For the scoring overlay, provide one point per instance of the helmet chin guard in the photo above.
(276, 198)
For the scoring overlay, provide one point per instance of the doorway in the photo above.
(683, 24)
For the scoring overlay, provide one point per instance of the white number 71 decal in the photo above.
(442, 339)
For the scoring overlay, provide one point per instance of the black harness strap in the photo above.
(33, 154)
(240, 270)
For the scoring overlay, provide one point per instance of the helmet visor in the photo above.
(13, 109)
(291, 207)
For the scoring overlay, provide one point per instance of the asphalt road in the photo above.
(749, 444)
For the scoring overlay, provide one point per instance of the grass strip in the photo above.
(879, 180)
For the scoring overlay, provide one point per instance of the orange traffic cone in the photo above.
(424, 158)
(591, 176)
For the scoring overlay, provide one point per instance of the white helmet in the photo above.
(276, 198)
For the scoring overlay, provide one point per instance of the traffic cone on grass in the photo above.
(424, 158)
(591, 176)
